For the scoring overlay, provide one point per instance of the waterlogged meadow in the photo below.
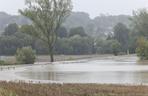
(118, 65)
(105, 69)
(89, 53)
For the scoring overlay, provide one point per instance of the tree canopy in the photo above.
(121, 34)
(47, 17)
(11, 29)
(140, 22)
(77, 31)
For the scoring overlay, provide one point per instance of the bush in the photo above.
(25, 55)
(63, 46)
(104, 46)
(6, 62)
(81, 45)
(142, 49)
(2, 62)
(116, 47)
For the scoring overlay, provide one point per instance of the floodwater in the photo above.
(102, 70)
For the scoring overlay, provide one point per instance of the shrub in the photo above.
(2, 62)
(142, 49)
(116, 47)
(6, 62)
(108, 47)
(25, 55)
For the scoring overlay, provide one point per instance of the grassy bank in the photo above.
(22, 89)
(10, 60)
(44, 58)
(65, 57)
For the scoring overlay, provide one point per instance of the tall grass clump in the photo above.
(4, 92)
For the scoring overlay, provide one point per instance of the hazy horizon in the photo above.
(93, 7)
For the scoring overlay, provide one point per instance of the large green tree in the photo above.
(140, 22)
(140, 30)
(47, 16)
(121, 34)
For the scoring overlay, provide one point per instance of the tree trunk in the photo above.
(51, 54)
(51, 57)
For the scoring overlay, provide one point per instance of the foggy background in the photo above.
(93, 7)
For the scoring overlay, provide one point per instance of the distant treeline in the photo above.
(116, 36)
(75, 41)
(99, 26)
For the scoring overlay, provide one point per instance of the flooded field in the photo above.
(105, 69)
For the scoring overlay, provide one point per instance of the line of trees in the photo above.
(122, 40)
(47, 36)
(76, 41)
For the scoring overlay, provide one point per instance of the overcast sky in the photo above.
(93, 7)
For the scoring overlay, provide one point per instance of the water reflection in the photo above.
(93, 71)
(90, 77)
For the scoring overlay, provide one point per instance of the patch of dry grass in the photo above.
(23, 89)
(4, 92)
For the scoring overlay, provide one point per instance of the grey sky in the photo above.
(93, 7)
